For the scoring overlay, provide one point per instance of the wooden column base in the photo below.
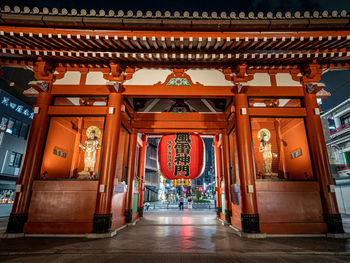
(140, 210)
(16, 223)
(228, 215)
(128, 215)
(102, 223)
(334, 223)
(250, 223)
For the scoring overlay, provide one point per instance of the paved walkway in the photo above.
(174, 236)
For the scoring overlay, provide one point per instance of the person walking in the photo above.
(190, 203)
(181, 203)
(147, 205)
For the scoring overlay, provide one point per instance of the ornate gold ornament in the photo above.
(261, 133)
(94, 129)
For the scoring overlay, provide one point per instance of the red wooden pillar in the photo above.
(31, 164)
(218, 174)
(103, 212)
(227, 177)
(321, 165)
(131, 174)
(249, 215)
(281, 156)
(142, 173)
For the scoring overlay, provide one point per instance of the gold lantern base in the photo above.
(179, 182)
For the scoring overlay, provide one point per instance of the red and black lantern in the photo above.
(181, 156)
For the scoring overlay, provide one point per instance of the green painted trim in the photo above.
(346, 157)
(223, 203)
(342, 184)
(135, 201)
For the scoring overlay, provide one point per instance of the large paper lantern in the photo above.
(181, 157)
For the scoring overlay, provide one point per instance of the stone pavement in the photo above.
(346, 223)
(174, 236)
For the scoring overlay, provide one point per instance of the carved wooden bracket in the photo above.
(39, 85)
(296, 75)
(312, 73)
(239, 77)
(240, 88)
(31, 92)
(322, 94)
(115, 86)
(314, 87)
(61, 71)
(43, 71)
(178, 78)
(238, 74)
(116, 73)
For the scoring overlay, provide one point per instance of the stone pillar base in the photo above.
(128, 215)
(334, 223)
(228, 214)
(218, 211)
(250, 223)
(140, 210)
(102, 223)
(16, 223)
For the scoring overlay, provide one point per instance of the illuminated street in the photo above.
(174, 236)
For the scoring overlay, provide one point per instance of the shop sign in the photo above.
(17, 107)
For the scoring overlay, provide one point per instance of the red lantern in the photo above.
(181, 156)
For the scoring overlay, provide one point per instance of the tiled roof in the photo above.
(175, 14)
(145, 37)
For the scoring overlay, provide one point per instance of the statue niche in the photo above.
(90, 148)
(264, 136)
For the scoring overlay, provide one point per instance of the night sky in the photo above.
(337, 82)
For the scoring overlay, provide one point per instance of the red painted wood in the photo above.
(290, 207)
(131, 170)
(226, 171)
(109, 155)
(33, 154)
(59, 207)
(118, 210)
(218, 169)
(244, 146)
(293, 228)
(57, 228)
(320, 156)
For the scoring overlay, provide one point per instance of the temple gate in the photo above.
(101, 82)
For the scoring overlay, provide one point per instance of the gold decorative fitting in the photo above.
(94, 129)
(263, 132)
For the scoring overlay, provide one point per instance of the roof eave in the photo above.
(173, 23)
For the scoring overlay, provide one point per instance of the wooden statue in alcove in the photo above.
(264, 136)
(90, 148)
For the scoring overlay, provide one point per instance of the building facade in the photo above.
(152, 174)
(338, 146)
(207, 180)
(16, 118)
